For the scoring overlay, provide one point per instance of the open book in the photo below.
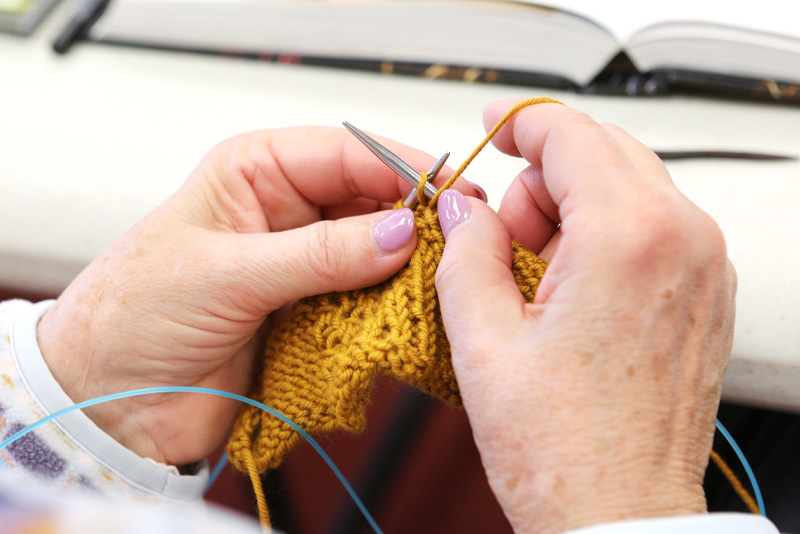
(732, 46)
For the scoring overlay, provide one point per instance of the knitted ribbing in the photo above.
(321, 359)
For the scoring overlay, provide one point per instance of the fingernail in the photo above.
(453, 210)
(481, 192)
(394, 230)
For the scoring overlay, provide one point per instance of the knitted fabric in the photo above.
(321, 359)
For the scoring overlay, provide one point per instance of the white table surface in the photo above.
(91, 141)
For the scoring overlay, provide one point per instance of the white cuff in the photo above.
(717, 523)
(142, 473)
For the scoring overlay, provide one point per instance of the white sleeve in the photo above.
(716, 523)
(71, 451)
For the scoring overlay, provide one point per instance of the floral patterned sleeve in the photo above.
(70, 452)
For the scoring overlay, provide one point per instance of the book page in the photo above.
(500, 36)
(626, 17)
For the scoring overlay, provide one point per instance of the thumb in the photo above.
(340, 255)
(474, 282)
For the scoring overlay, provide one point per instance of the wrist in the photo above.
(64, 335)
(555, 502)
(79, 437)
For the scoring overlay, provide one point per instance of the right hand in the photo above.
(597, 401)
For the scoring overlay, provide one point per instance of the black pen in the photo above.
(80, 22)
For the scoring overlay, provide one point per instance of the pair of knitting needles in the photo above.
(399, 166)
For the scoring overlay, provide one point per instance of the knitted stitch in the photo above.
(320, 360)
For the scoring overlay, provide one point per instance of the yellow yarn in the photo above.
(255, 480)
(735, 483)
(321, 359)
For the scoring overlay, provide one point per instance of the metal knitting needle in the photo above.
(399, 166)
(411, 199)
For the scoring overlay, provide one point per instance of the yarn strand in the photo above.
(735, 483)
(510, 113)
(258, 490)
(421, 198)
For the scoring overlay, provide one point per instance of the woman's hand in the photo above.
(597, 401)
(267, 218)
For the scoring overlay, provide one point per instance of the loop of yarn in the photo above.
(421, 198)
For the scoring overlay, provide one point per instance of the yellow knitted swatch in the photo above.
(321, 359)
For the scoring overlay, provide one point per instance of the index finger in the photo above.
(577, 156)
(295, 171)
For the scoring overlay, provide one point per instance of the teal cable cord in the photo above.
(746, 465)
(221, 463)
(206, 391)
(304, 434)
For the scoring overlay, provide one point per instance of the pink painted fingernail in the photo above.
(453, 210)
(394, 231)
(481, 192)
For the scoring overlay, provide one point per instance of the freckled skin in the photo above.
(266, 219)
(612, 377)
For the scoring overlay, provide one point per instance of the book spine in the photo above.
(669, 81)
(731, 86)
(610, 82)
(423, 70)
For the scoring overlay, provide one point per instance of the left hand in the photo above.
(267, 218)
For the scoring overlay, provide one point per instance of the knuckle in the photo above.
(576, 126)
(613, 128)
(733, 276)
(574, 120)
(652, 226)
(667, 227)
(713, 240)
(444, 272)
(705, 242)
(450, 270)
(325, 260)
